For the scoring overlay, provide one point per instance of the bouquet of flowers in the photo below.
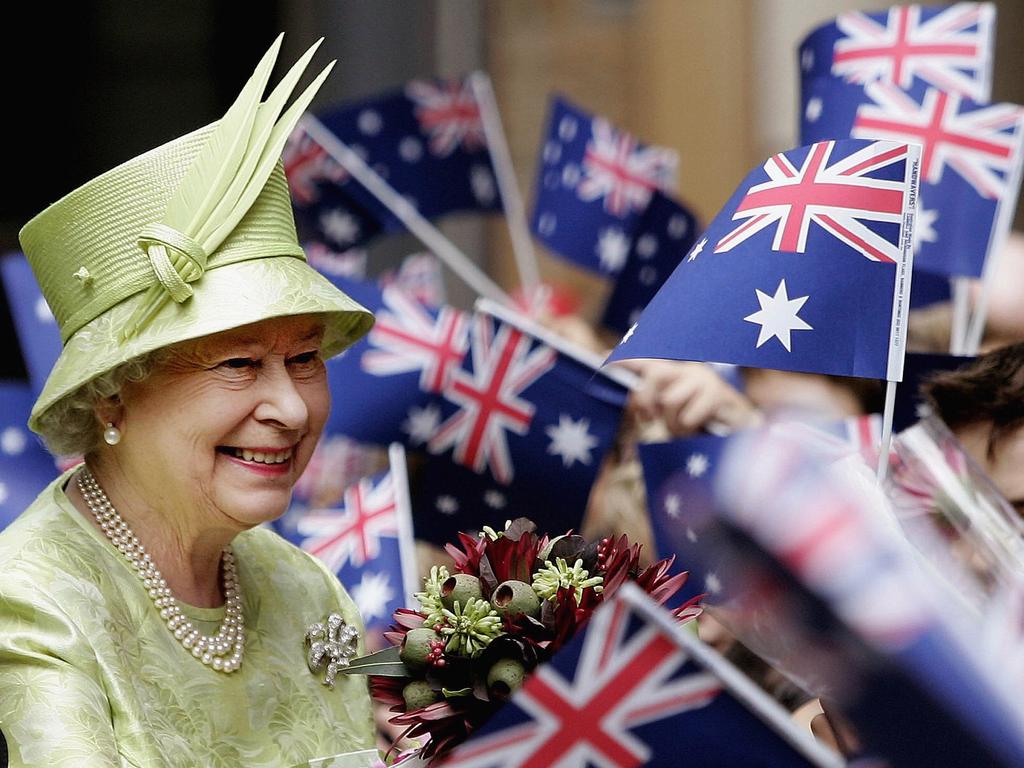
(513, 599)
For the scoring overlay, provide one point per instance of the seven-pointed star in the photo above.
(372, 595)
(571, 440)
(421, 423)
(612, 249)
(778, 316)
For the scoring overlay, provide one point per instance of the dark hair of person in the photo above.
(989, 390)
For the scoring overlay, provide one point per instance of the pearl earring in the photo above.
(111, 435)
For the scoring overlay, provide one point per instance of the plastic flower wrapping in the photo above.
(511, 600)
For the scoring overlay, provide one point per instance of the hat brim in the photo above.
(224, 298)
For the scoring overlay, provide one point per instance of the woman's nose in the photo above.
(281, 401)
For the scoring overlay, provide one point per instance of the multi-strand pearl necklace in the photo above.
(223, 651)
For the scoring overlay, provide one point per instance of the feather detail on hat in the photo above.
(222, 183)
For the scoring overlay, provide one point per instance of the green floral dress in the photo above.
(91, 676)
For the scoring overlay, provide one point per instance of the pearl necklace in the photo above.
(223, 651)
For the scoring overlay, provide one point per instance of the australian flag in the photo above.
(386, 387)
(514, 415)
(664, 234)
(426, 140)
(806, 268)
(361, 541)
(971, 156)
(593, 183)
(34, 323)
(26, 467)
(629, 691)
(949, 47)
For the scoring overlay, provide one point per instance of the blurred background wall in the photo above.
(91, 84)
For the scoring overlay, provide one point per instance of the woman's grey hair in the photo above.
(70, 426)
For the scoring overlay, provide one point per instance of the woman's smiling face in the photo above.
(225, 424)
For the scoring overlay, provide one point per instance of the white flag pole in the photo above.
(428, 234)
(960, 291)
(624, 378)
(887, 414)
(1000, 232)
(403, 514)
(501, 158)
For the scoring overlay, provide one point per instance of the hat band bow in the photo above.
(177, 259)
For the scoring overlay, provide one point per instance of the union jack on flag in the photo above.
(489, 399)
(352, 534)
(622, 173)
(838, 195)
(594, 183)
(448, 113)
(307, 165)
(981, 144)
(408, 337)
(582, 713)
(948, 47)
(971, 156)
(631, 689)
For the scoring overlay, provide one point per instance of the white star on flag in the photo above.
(421, 423)
(372, 595)
(673, 505)
(697, 464)
(778, 316)
(340, 226)
(482, 183)
(369, 122)
(447, 505)
(646, 246)
(612, 249)
(924, 227)
(495, 499)
(410, 149)
(571, 440)
(3, 492)
(677, 226)
(691, 535)
(12, 441)
(813, 110)
(712, 583)
(697, 248)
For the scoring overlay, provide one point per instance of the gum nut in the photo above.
(461, 587)
(416, 646)
(515, 597)
(505, 676)
(418, 694)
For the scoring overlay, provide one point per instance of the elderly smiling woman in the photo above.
(145, 617)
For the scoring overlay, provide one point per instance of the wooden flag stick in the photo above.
(428, 234)
(512, 201)
(887, 414)
(403, 514)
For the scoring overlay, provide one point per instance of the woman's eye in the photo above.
(306, 358)
(239, 363)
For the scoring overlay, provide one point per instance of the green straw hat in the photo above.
(191, 238)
